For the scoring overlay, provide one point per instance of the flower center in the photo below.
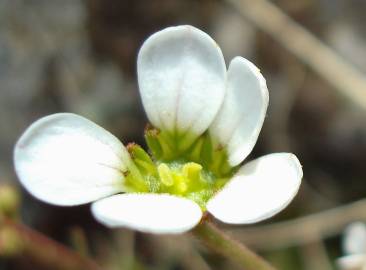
(195, 172)
(188, 180)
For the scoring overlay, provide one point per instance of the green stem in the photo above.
(221, 243)
(41, 249)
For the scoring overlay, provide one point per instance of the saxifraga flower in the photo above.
(205, 120)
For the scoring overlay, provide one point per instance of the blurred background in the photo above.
(80, 56)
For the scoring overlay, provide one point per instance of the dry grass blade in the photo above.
(345, 78)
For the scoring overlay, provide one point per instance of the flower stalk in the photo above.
(40, 249)
(221, 243)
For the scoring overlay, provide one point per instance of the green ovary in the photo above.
(195, 173)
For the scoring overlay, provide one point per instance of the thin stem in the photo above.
(44, 250)
(221, 243)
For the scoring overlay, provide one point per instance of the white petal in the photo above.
(152, 213)
(240, 119)
(181, 74)
(352, 262)
(354, 240)
(261, 188)
(65, 159)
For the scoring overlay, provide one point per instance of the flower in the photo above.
(204, 120)
(354, 247)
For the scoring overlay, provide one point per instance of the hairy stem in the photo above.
(221, 243)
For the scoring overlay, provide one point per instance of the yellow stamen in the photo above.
(165, 175)
(192, 171)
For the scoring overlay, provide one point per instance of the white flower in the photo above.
(206, 120)
(354, 247)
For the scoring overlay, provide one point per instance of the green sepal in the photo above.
(151, 138)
